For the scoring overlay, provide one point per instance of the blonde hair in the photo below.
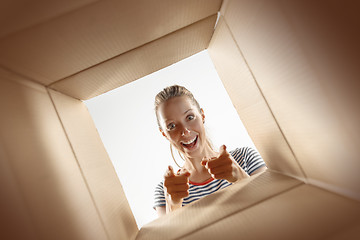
(172, 92)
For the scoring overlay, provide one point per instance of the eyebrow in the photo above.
(165, 120)
(187, 110)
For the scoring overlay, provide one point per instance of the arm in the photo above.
(259, 170)
(226, 167)
(250, 160)
(170, 206)
(161, 211)
(172, 192)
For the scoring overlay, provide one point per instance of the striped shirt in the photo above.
(248, 159)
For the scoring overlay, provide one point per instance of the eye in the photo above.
(190, 117)
(170, 126)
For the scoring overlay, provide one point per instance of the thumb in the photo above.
(170, 172)
(185, 172)
(222, 149)
(204, 161)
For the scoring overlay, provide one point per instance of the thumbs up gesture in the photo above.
(224, 167)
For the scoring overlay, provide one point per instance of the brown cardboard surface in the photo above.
(96, 167)
(331, 45)
(68, 44)
(21, 14)
(139, 62)
(218, 206)
(250, 103)
(290, 68)
(297, 89)
(350, 232)
(304, 212)
(43, 178)
(14, 213)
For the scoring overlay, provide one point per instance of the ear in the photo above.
(202, 115)
(162, 132)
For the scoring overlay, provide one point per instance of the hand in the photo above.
(224, 167)
(176, 187)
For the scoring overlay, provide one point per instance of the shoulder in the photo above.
(242, 149)
(240, 154)
(159, 196)
(159, 186)
(248, 158)
(243, 152)
(159, 190)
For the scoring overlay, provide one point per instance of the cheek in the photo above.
(173, 135)
(198, 126)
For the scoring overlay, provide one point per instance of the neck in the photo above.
(193, 164)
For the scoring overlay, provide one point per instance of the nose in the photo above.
(185, 132)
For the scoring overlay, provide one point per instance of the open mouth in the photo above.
(191, 143)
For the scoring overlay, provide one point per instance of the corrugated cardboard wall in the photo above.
(138, 62)
(289, 67)
(56, 177)
(84, 48)
(304, 212)
(293, 82)
(47, 171)
(250, 103)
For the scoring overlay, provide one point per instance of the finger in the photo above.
(221, 169)
(181, 179)
(223, 159)
(184, 172)
(222, 150)
(223, 175)
(169, 172)
(179, 195)
(177, 180)
(215, 162)
(204, 161)
(178, 188)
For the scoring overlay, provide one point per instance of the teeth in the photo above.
(189, 141)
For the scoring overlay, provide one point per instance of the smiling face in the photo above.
(182, 124)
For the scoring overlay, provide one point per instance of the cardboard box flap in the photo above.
(217, 206)
(63, 43)
(139, 62)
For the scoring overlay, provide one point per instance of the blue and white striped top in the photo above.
(248, 159)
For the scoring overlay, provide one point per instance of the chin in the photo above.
(194, 153)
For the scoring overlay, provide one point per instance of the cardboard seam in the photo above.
(119, 55)
(52, 89)
(243, 209)
(24, 77)
(213, 32)
(79, 166)
(267, 104)
(323, 185)
(346, 193)
(224, 7)
(289, 175)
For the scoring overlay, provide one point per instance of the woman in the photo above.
(181, 121)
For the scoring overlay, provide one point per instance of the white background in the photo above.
(126, 122)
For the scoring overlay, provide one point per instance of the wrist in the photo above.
(172, 204)
(238, 174)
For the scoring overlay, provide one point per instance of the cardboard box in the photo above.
(290, 68)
